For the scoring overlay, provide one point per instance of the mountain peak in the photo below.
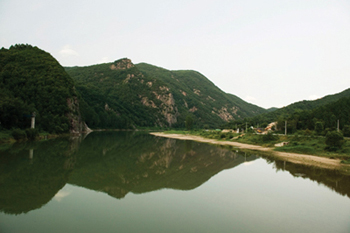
(122, 64)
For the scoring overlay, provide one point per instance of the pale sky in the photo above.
(268, 52)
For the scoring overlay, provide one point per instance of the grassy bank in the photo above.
(7, 136)
(301, 144)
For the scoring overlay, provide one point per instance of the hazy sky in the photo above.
(267, 52)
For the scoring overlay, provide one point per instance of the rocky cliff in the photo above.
(77, 125)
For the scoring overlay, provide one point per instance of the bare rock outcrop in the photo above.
(122, 64)
(223, 113)
(74, 117)
(168, 107)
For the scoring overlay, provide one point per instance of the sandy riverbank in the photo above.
(291, 157)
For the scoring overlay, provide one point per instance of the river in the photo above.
(136, 182)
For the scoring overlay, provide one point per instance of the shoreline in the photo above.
(309, 160)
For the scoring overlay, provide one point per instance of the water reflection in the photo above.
(332, 179)
(32, 173)
(142, 163)
(117, 163)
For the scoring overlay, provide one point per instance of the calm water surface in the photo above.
(135, 182)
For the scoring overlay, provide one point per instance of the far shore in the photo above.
(305, 159)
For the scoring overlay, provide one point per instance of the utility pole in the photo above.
(338, 126)
(285, 128)
(246, 129)
(31, 153)
(32, 125)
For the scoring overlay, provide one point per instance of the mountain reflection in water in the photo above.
(118, 163)
(144, 163)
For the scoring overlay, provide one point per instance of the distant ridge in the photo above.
(311, 104)
(304, 114)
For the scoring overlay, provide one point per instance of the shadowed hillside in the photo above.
(31, 80)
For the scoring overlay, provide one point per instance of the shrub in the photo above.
(307, 132)
(18, 134)
(269, 137)
(345, 161)
(32, 133)
(230, 135)
(189, 122)
(296, 138)
(319, 127)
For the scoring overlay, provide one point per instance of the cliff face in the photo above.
(167, 106)
(77, 125)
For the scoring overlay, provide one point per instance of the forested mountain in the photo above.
(285, 112)
(124, 95)
(31, 80)
(321, 118)
(311, 104)
(306, 114)
(271, 109)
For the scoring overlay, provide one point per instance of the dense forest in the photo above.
(31, 80)
(124, 95)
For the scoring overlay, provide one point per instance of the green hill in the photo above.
(124, 95)
(327, 114)
(287, 111)
(312, 104)
(31, 80)
(304, 114)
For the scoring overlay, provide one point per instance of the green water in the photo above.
(135, 182)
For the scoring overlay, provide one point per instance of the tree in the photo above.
(269, 137)
(189, 122)
(334, 140)
(346, 130)
(318, 127)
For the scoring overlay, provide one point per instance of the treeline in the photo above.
(321, 119)
(31, 80)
